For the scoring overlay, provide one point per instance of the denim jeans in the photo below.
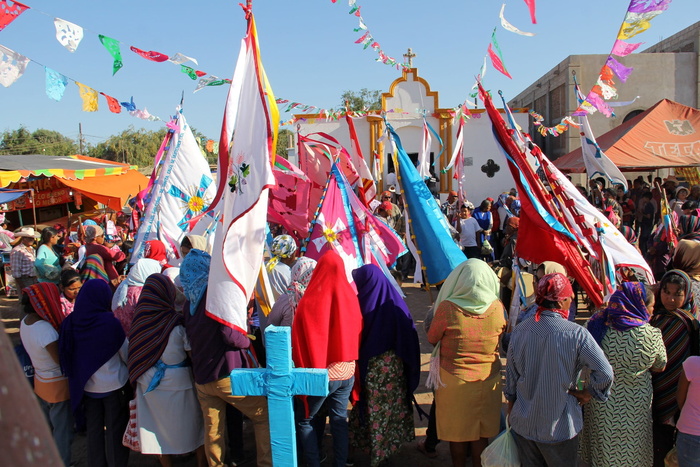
(60, 418)
(337, 400)
(688, 448)
(532, 453)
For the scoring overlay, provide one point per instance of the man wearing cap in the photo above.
(545, 355)
(394, 212)
(22, 260)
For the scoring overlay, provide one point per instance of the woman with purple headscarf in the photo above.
(619, 431)
(93, 353)
(389, 368)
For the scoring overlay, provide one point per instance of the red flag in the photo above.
(538, 239)
(113, 104)
(497, 62)
(531, 5)
(369, 189)
(289, 199)
(8, 13)
(150, 55)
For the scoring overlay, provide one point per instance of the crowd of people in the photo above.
(115, 349)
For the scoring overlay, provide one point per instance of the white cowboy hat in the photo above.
(27, 232)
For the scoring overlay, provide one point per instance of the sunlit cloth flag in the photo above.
(558, 231)
(431, 233)
(369, 191)
(596, 162)
(183, 189)
(289, 199)
(12, 66)
(541, 237)
(10, 11)
(639, 14)
(68, 34)
(345, 225)
(244, 179)
(509, 27)
(496, 55)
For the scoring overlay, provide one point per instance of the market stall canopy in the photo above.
(107, 182)
(665, 135)
(10, 195)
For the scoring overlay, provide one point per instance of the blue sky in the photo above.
(307, 49)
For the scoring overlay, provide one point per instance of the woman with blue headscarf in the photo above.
(619, 431)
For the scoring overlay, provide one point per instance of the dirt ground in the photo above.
(418, 302)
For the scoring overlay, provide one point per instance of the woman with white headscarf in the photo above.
(127, 294)
(282, 313)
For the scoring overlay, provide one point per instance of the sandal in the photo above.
(421, 447)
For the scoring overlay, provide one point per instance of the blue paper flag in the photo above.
(55, 84)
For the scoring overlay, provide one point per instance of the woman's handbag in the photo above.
(131, 435)
(502, 452)
(486, 248)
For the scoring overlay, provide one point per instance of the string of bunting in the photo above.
(14, 64)
(367, 40)
(69, 35)
(637, 20)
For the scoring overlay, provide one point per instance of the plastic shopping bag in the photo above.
(502, 452)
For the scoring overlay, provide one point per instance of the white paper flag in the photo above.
(68, 34)
(179, 59)
(12, 66)
(509, 27)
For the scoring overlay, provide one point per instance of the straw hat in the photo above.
(27, 232)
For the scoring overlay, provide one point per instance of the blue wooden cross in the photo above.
(280, 383)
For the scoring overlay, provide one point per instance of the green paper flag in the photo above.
(189, 71)
(112, 47)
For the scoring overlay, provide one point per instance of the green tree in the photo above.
(41, 141)
(283, 142)
(131, 146)
(364, 99)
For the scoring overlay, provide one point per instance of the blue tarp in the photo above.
(10, 195)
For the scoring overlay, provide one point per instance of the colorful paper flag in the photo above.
(150, 54)
(509, 27)
(8, 13)
(113, 104)
(112, 47)
(89, 97)
(12, 66)
(531, 6)
(55, 84)
(496, 55)
(179, 59)
(68, 34)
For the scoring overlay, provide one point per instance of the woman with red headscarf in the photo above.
(155, 249)
(326, 334)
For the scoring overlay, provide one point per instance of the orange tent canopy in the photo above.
(665, 135)
(110, 190)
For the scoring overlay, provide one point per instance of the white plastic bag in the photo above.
(502, 452)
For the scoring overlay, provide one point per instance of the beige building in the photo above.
(668, 70)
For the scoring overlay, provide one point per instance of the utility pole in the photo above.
(81, 140)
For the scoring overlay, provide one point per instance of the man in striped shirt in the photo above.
(545, 357)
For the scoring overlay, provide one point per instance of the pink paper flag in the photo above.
(620, 70)
(622, 48)
(150, 55)
(497, 62)
(8, 13)
(531, 5)
(596, 101)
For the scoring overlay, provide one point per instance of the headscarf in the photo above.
(93, 231)
(513, 223)
(690, 227)
(328, 321)
(472, 286)
(155, 249)
(387, 324)
(194, 276)
(554, 288)
(689, 305)
(136, 278)
(301, 276)
(283, 246)
(687, 258)
(629, 234)
(199, 242)
(89, 337)
(626, 310)
(154, 319)
(46, 301)
(94, 268)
